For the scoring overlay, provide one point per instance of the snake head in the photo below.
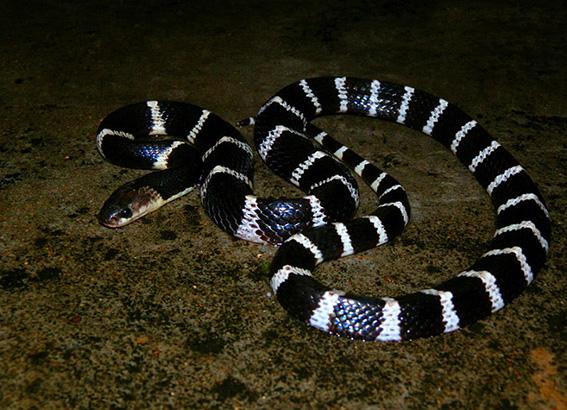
(127, 204)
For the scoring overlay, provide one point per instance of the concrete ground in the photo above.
(170, 312)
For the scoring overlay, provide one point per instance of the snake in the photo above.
(203, 150)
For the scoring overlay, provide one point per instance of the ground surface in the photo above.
(170, 311)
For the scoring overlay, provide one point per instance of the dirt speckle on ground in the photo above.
(170, 311)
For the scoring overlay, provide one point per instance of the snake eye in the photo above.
(125, 213)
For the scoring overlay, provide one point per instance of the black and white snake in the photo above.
(208, 152)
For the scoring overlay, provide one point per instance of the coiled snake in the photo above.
(208, 152)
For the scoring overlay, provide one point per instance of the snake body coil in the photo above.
(317, 228)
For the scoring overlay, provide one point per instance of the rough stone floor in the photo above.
(170, 312)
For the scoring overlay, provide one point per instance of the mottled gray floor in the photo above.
(171, 312)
